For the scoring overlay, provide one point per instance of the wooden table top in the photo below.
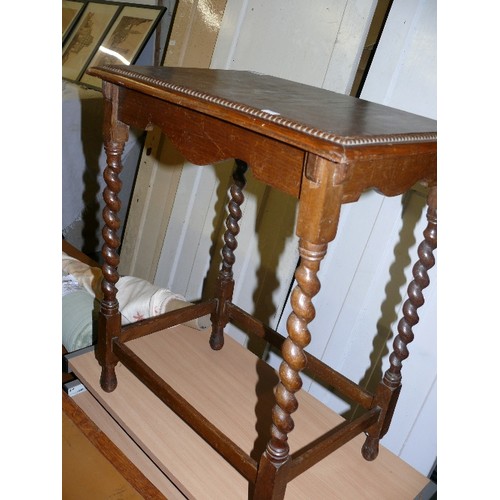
(336, 118)
(213, 115)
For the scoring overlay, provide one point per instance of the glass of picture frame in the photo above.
(125, 38)
(86, 37)
(71, 10)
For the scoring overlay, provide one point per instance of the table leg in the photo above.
(388, 390)
(225, 281)
(109, 326)
(319, 210)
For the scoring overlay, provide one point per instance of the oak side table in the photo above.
(323, 148)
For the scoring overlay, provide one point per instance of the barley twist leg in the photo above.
(115, 137)
(272, 476)
(390, 386)
(225, 281)
(109, 321)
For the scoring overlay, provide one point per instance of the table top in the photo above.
(334, 117)
(212, 115)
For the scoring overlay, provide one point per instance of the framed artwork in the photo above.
(71, 10)
(125, 39)
(85, 37)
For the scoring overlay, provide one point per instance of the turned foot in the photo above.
(108, 379)
(217, 339)
(370, 448)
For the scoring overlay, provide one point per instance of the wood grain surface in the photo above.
(224, 385)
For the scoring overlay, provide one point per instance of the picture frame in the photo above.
(86, 36)
(71, 11)
(125, 39)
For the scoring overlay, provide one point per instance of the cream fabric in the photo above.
(138, 299)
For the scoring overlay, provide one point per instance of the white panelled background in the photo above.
(365, 273)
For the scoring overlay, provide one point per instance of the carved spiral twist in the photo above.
(392, 377)
(294, 358)
(112, 224)
(232, 219)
